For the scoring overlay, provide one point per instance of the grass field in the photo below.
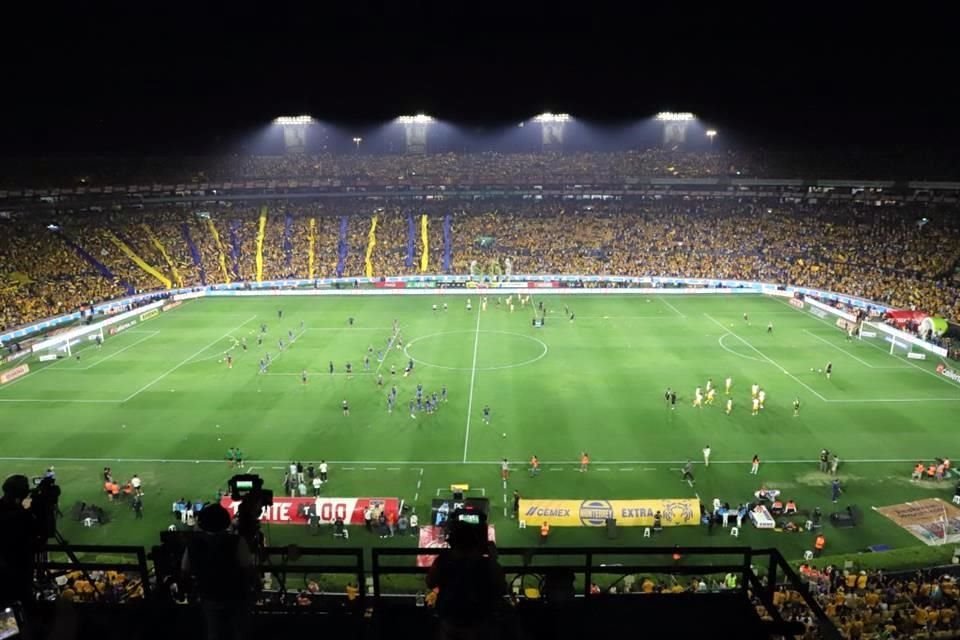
(156, 400)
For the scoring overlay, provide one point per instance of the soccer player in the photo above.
(243, 343)
(796, 407)
(572, 316)
(706, 456)
(346, 408)
(698, 398)
(263, 366)
(322, 468)
(666, 396)
(486, 414)
(770, 327)
(259, 339)
(828, 369)
(687, 474)
(290, 335)
(584, 462)
(709, 384)
(755, 465)
(443, 393)
(711, 396)
(279, 314)
(238, 458)
(433, 397)
(756, 407)
(761, 397)
(280, 342)
(349, 371)
(380, 380)
(469, 305)
(850, 329)
(366, 363)
(746, 319)
(331, 367)
(729, 406)
(389, 403)
(504, 470)
(673, 400)
(412, 414)
(350, 321)
(229, 361)
(393, 369)
(754, 390)
(728, 384)
(534, 466)
(483, 303)
(231, 458)
(301, 325)
(303, 376)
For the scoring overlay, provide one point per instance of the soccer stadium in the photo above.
(562, 377)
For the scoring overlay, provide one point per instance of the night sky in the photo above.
(183, 79)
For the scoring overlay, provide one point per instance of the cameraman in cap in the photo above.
(470, 583)
(224, 572)
(20, 534)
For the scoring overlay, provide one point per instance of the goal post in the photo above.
(897, 342)
(68, 343)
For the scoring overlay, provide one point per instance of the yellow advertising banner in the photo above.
(674, 512)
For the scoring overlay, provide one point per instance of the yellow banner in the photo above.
(371, 243)
(137, 260)
(221, 257)
(166, 256)
(674, 512)
(311, 251)
(261, 230)
(425, 241)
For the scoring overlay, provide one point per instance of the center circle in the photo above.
(508, 350)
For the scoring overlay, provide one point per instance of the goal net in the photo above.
(897, 342)
(69, 343)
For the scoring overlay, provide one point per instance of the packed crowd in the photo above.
(487, 168)
(880, 254)
(872, 605)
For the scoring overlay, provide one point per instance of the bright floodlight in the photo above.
(673, 116)
(417, 119)
(552, 117)
(358, 140)
(284, 121)
(711, 133)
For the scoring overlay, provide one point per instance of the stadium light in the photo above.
(285, 121)
(675, 116)
(417, 119)
(357, 140)
(711, 133)
(552, 117)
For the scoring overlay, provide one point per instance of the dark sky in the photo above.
(184, 77)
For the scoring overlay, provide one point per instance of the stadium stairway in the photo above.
(96, 264)
(232, 229)
(342, 246)
(411, 240)
(447, 242)
(194, 252)
(288, 243)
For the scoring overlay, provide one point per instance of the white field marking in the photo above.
(348, 329)
(420, 463)
(473, 378)
(542, 354)
(626, 469)
(416, 496)
(116, 353)
(841, 349)
(883, 400)
(278, 468)
(369, 468)
(60, 400)
(321, 373)
(393, 468)
(649, 469)
(604, 469)
(347, 468)
(393, 339)
(554, 469)
(670, 305)
(185, 361)
(250, 469)
(728, 349)
(296, 337)
(768, 359)
(881, 350)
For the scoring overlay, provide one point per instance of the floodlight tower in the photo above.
(294, 132)
(415, 129)
(711, 134)
(551, 127)
(675, 126)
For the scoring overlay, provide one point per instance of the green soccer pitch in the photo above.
(157, 401)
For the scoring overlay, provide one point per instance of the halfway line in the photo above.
(473, 377)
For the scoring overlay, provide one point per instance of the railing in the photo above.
(758, 572)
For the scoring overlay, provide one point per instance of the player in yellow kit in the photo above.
(729, 405)
(711, 395)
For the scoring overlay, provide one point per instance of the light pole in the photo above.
(711, 133)
(357, 141)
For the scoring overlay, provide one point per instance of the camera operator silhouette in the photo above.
(469, 581)
(224, 572)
